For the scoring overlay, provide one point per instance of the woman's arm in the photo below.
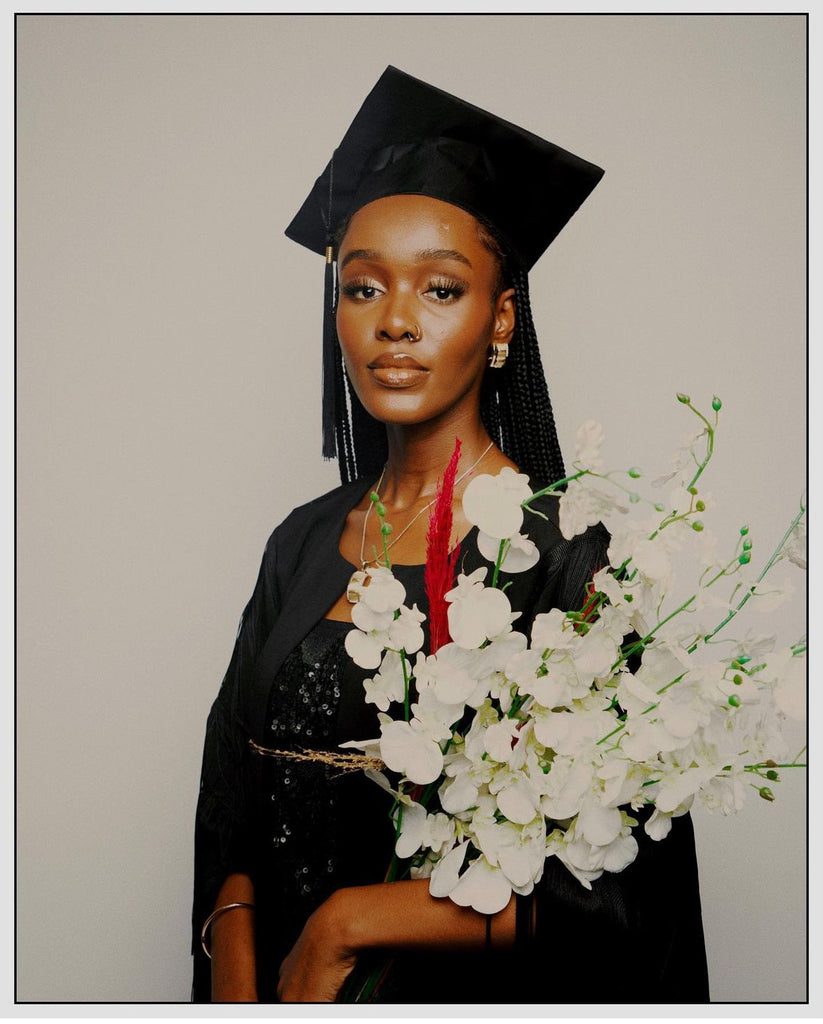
(393, 916)
(233, 968)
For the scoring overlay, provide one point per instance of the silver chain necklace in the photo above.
(358, 577)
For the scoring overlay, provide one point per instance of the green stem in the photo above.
(553, 487)
(501, 554)
(757, 768)
(709, 446)
(640, 645)
(760, 578)
(406, 703)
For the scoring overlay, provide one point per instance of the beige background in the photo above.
(168, 389)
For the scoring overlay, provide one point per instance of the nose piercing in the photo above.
(414, 332)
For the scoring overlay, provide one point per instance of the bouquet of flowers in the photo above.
(513, 748)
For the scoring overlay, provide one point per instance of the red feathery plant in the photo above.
(440, 562)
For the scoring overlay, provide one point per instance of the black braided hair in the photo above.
(514, 400)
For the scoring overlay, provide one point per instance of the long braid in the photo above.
(515, 404)
(343, 436)
(371, 447)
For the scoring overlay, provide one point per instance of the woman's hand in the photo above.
(320, 960)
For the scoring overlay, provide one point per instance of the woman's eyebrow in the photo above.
(442, 254)
(360, 254)
(420, 256)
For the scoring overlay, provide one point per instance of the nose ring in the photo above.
(414, 332)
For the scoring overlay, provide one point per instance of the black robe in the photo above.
(635, 937)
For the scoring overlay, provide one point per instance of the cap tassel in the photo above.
(329, 343)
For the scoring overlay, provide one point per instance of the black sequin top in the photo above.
(320, 829)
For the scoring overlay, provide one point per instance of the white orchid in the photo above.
(795, 549)
(584, 503)
(409, 750)
(389, 683)
(494, 503)
(376, 616)
(384, 593)
(519, 553)
(544, 746)
(587, 444)
(477, 613)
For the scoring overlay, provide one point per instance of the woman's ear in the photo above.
(505, 315)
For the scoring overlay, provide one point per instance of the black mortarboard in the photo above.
(409, 137)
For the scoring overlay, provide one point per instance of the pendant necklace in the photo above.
(358, 577)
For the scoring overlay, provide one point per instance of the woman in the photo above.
(434, 211)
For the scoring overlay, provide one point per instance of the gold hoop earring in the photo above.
(499, 354)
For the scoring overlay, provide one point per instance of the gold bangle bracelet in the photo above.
(213, 917)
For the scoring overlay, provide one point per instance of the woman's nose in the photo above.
(397, 322)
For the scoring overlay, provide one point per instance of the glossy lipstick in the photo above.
(397, 370)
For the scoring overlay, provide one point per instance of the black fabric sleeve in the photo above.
(222, 823)
(637, 935)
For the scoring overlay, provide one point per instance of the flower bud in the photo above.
(766, 793)
(380, 509)
(737, 680)
(747, 545)
(374, 497)
(772, 774)
(659, 508)
(700, 505)
(717, 405)
(734, 700)
(697, 526)
(634, 472)
(745, 558)
(692, 490)
(385, 529)
(683, 398)
(743, 531)
(770, 763)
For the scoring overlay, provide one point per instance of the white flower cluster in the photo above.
(545, 745)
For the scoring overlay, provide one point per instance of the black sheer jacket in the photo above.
(637, 936)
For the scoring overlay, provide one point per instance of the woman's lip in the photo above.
(398, 376)
(399, 360)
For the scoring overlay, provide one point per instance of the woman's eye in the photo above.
(360, 290)
(445, 291)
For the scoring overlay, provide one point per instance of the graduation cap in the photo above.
(411, 138)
